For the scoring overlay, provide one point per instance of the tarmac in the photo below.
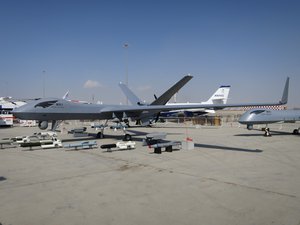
(232, 176)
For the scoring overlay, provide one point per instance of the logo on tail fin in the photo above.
(220, 96)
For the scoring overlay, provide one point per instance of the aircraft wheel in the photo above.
(296, 131)
(127, 137)
(250, 126)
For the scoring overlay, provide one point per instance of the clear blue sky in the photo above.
(251, 45)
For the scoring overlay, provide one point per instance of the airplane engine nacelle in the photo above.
(250, 126)
(43, 125)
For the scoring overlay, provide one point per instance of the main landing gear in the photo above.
(267, 132)
(296, 131)
(100, 135)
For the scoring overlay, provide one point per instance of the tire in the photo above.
(127, 137)
(296, 131)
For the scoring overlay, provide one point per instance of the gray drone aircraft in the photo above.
(55, 109)
(267, 116)
(60, 110)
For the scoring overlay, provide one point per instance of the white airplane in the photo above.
(219, 97)
(7, 104)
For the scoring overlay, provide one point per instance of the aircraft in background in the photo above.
(7, 104)
(266, 116)
(219, 97)
(54, 109)
(10, 103)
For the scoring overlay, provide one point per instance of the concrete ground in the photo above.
(233, 176)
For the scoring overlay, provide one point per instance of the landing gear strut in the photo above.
(127, 137)
(55, 124)
(100, 134)
(267, 132)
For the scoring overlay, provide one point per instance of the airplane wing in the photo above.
(161, 100)
(165, 97)
(146, 117)
(160, 108)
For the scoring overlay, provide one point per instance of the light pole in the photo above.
(126, 45)
(44, 77)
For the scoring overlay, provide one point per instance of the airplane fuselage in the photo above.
(59, 109)
(263, 116)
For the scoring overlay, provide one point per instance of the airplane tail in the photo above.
(66, 95)
(161, 100)
(148, 118)
(165, 97)
(220, 96)
(285, 94)
(134, 100)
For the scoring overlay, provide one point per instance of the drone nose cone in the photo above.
(16, 112)
(244, 118)
(241, 121)
(19, 112)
